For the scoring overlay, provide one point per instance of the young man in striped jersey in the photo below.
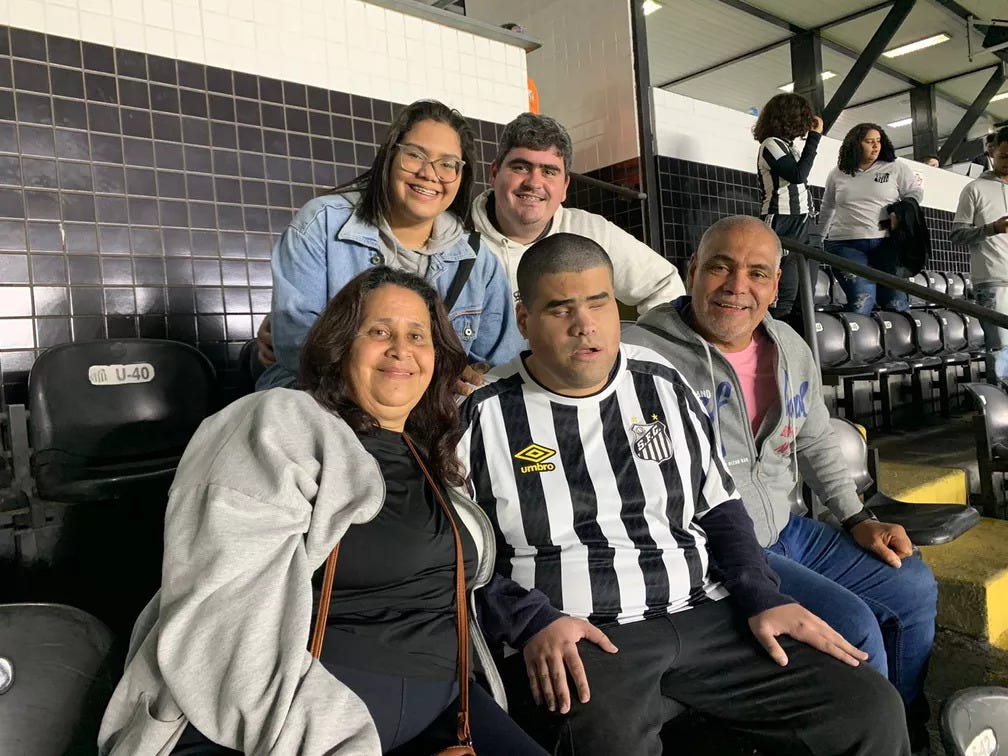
(625, 555)
(762, 390)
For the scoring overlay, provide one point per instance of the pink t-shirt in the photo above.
(756, 367)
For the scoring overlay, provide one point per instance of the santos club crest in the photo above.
(651, 441)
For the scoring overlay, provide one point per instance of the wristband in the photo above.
(858, 518)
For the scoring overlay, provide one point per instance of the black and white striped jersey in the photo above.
(783, 173)
(597, 501)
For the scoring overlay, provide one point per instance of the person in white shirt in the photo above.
(853, 218)
(981, 223)
(529, 180)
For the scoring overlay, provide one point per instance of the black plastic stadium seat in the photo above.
(974, 722)
(107, 417)
(249, 367)
(55, 679)
(898, 335)
(956, 285)
(990, 428)
(921, 279)
(928, 337)
(851, 350)
(926, 524)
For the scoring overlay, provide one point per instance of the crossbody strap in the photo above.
(462, 273)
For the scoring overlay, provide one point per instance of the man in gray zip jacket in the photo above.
(760, 385)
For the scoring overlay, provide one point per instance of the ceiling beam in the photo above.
(855, 14)
(866, 60)
(978, 106)
(744, 7)
(724, 63)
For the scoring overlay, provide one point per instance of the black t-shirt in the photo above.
(393, 599)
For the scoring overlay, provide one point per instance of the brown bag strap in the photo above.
(318, 635)
(461, 613)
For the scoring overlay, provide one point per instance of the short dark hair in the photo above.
(785, 116)
(730, 223)
(1000, 136)
(557, 253)
(376, 197)
(434, 422)
(535, 132)
(850, 149)
(991, 137)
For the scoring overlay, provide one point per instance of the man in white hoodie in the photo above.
(529, 179)
(981, 223)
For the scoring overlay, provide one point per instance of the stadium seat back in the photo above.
(103, 413)
(865, 338)
(55, 679)
(831, 337)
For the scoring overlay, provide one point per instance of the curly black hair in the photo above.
(850, 150)
(785, 116)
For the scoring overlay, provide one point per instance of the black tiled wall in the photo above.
(140, 195)
(628, 214)
(694, 195)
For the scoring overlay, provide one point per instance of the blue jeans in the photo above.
(994, 297)
(862, 294)
(886, 612)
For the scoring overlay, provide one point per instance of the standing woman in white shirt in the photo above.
(868, 177)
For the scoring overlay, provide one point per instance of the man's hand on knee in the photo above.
(552, 652)
(264, 343)
(799, 623)
(886, 540)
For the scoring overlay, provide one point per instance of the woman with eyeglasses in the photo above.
(409, 211)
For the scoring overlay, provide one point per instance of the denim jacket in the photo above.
(326, 245)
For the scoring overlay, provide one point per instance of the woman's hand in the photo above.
(893, 221)
(472, 377)
(264, 343)
(817, 125)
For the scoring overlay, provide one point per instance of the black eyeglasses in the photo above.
(413, 160)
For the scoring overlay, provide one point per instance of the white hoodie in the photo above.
(641, 277)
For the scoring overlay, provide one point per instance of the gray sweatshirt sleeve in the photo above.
(826, 210)
(820, 460)
(641, 277)
(251, 514)
(909, 186)
(963, 229)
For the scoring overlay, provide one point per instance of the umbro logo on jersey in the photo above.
(537, 455)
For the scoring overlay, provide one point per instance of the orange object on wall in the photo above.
(533, 94)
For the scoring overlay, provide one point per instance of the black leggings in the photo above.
(790, 227)
(413, 716)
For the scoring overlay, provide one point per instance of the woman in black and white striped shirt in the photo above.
(783, 172)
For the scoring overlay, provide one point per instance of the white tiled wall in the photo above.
(583, 71)
(344, 45)
(694, 130)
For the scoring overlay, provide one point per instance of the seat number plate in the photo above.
(117, 375)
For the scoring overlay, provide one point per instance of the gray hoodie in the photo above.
(795, 436)
(260, 498)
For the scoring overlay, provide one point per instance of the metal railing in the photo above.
(807, 296)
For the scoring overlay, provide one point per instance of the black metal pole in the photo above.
(806, 294)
